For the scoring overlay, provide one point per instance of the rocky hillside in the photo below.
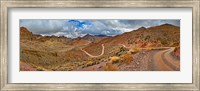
(159, 36)
(61, 53)
(25, 34)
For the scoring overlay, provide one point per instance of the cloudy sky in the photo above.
(79, 28)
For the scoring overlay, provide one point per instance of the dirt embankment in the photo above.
(177, 52)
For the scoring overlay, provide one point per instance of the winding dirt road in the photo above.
(102, 52)
(124, 46)
(161, 60)
(164, 61)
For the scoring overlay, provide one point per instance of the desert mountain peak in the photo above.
(24, 30)
(88, 35)
(166, 25)
(141, 28)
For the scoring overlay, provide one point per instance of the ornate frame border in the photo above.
(6, 4)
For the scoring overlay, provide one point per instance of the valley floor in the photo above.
(159, 59)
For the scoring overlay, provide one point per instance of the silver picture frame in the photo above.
(7, 4)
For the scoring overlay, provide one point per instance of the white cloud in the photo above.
(42, 26)
(78, 28)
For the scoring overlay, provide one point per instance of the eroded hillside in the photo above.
(154, 48)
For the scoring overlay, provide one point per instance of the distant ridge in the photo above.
(93, 38)
(133, 38)
(165, 35)
(101, 35)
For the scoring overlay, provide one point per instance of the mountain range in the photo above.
(62, 53)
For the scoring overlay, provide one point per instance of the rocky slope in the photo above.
(159, 36)
(61, 53)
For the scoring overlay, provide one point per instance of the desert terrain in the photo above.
(155, 48)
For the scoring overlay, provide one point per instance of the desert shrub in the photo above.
(79, 64)
(110, 67)
(39, 69)
(141, 36)
(114, 59)
(175, 44)
(97, 62)
(147, 37)
(127, 58)
(121, 51)
(150, 48)
(163, 41)
(130, 41)
(90, 63)
(134, 50)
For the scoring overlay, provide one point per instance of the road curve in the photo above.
(124, 46)
(102, 52)
(164, 61)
